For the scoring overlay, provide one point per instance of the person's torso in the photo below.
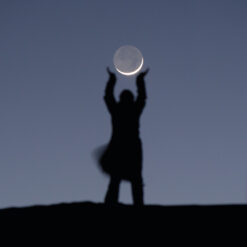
(125, 122)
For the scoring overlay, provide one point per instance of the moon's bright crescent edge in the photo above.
(131, 73)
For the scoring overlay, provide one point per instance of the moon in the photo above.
(128, 60)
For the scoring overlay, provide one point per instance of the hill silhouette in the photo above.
(123, 224)
(89, 211)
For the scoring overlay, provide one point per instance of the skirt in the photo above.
(122, 158)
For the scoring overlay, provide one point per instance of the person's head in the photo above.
(126, 96)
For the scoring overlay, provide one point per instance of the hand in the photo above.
(142, 74)
(111, 74)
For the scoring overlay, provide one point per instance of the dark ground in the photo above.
(126, 223)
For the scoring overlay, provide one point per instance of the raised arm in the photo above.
(141, 91)
(109, 91)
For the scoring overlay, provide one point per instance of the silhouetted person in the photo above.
(122, 159)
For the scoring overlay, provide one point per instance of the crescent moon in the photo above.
(133, 72)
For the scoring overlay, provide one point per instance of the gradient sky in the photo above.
(53, 56)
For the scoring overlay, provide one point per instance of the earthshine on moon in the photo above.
(128, 60)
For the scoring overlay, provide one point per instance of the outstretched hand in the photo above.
(142, 74)
(111, 74)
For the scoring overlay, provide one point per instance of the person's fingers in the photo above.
(146, 71)
(110, 72)
(143, 74)
(112, 75)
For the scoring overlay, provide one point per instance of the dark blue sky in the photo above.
(53, 56)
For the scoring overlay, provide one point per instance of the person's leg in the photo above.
(113, 191)
(137, 190)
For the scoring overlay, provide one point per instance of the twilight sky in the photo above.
(53, 56)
